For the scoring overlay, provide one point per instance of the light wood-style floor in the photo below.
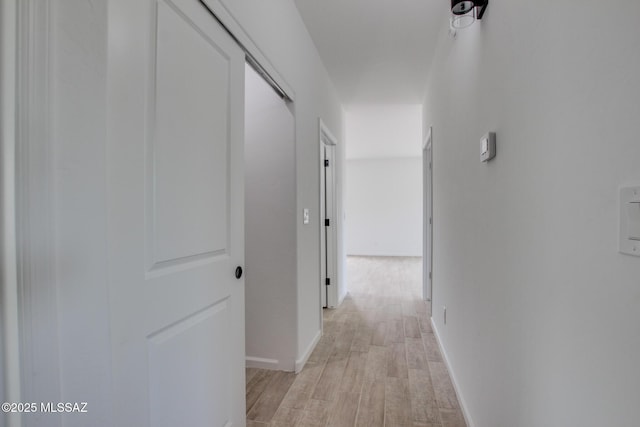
(377, 363)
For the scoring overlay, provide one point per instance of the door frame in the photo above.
(10, 331)
(31, 344)
(325, 137)
(427, 197)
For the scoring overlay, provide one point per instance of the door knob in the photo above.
(238, 272)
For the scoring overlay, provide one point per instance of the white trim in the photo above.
(270, 364)
(342, 297)
(325, 137)
(262, 363)
(36, 275)
(427, 207)
(456, 387)
(427, 139)
(324, 130)
(385, 253)
(305, 356)
(226, 18)
(9, 332)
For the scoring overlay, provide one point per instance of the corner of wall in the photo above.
(456, 387)
(270, 364)
(302, 360)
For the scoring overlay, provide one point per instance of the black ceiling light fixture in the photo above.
(465, 12)
(460, 7)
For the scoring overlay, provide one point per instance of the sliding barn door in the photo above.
(175, 188)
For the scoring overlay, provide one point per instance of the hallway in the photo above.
(377, 364)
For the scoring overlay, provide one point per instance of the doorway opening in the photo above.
(329, 220)
(270, 226)
(384, 195)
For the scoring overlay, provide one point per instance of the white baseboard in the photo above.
(341, 298)
(463, 404)
(271, 364)
(385, 254)
(262, 363)
(284, 365)
(305, 356)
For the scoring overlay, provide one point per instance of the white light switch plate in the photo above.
(488, 147)
(630, 221)
(305, 216)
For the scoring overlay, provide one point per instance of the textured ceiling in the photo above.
(376, 51)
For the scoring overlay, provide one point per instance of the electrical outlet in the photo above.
(444, 314)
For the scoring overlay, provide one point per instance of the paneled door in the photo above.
(175, 200)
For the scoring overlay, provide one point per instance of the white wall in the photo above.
(270, 228)
(542, 310)
(384, 179)
(382, 131)
(384, 206)
(278, 30)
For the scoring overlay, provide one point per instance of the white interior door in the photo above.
(175, 189)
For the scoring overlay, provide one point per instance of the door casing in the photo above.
(9, 305)
(427, 189)
(328, 235)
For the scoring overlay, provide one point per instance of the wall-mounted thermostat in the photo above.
(630, 221)
(488, 147)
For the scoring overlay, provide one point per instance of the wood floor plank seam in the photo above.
(376, 365)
